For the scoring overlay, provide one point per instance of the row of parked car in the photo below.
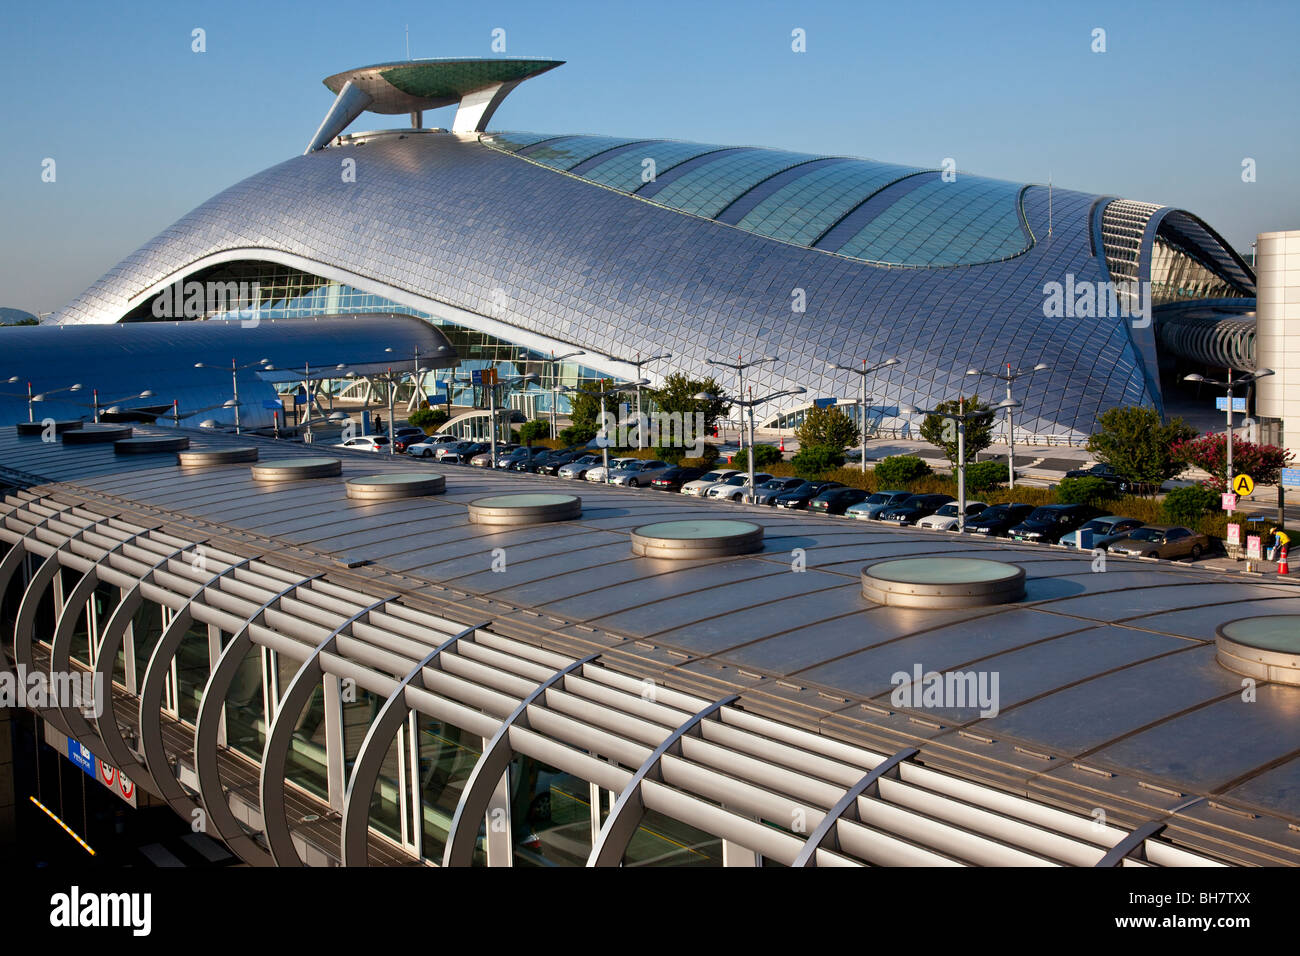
(1075, 525)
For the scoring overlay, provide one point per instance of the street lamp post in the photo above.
(739, 367)
(97, 405)
(863, 373)
(1247, 379)
(555, 384)
(492, 410)
(639, 363)
(234, 381)
(960, 417)
(42, 396)
(604, 445)
(1009, 376)
(750, 404)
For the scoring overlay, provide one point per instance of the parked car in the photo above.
(998, 520)
(945, 519)
(463, 452)
(428, 448)
(577, 469)
(504, 453)
(875, 503)
(1162, 541)
(541, 457)
(520, 458)
(769, 490)
(674, 478)
(406, 436)
(636, 472)
(706, 481)
(1106, 473)
(553, 462)
(736, 487)
(835, 501)
(1045, 525)
(365, 443)
(797, 499)
(1105, 531)
(598, 473)
(913, 508)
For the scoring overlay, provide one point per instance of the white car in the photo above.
(429, 447)
(702, 484)
(365, 443)
(735, 487)
(945, 519)
(635, 472)
(598, 473)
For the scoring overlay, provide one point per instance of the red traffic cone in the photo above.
(783, 444)
(1281, 562)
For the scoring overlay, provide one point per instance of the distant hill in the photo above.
(17, 317)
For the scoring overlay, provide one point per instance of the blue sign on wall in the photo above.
(80, 754)
(1291, 477)
(1238, 404)
(476, 376)
(823, 402)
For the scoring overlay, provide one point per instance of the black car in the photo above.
(768, 491)
(552, 462)
(674, 478)
(914, 508)
(999, 519)
(522, 459)
(406, 437)
(1050, 522)
(461, 454)
(800, 496)
(833, 501)
(1106, 473)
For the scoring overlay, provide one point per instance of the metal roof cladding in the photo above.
(1109, 694)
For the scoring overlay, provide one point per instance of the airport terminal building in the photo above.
(521, 246)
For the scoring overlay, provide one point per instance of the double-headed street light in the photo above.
(555, 384)
(492, 408)
(305, 372)
(960, 417)
(750, 403)
(41, 397)
(571, 390)
(864, 372)
(639, 363)
(1248, 379)
(739, 367)
(234, 379)
(1009, 376)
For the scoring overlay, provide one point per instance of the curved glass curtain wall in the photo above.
(286, 293)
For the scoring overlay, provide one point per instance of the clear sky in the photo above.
(142, 129)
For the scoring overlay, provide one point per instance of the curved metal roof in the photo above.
(774, 685)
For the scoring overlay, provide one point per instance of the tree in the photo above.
(1210, 453)
(585, 409)
(813, 461)
(1088, 490)
(942, 432)
(827, 426)
(985, 475)
(427, 418)
(763, 455)
(897, 470)
(534, 430)
(1186, 506)
(1138, 445)
(678, 395)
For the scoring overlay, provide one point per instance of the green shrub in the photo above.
(533, 431)
(671, 455)
(1189, 505)
(898, 470)
(764, 455)
(815, 460)
(427, 418)
(985, 475)
(695, 463)
(1087, 490)
(578, 434)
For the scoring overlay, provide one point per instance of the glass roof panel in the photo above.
(710, 188)
(802, 210)
(944, 223)
(625, 170)
(513, 142)
(568, 151)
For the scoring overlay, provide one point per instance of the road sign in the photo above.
(1234, 534)
(80, 754)
(1238, 404)
(1243, 485)
(476, 376)
(823, 402)
(1229, 502)
(1291, 477)
(489, 376)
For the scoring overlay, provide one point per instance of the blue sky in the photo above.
(142, 129)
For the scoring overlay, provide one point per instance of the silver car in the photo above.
(1106, 530)
(635, 472)
(876, 503)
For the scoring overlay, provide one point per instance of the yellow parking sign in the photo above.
(1243, 484)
